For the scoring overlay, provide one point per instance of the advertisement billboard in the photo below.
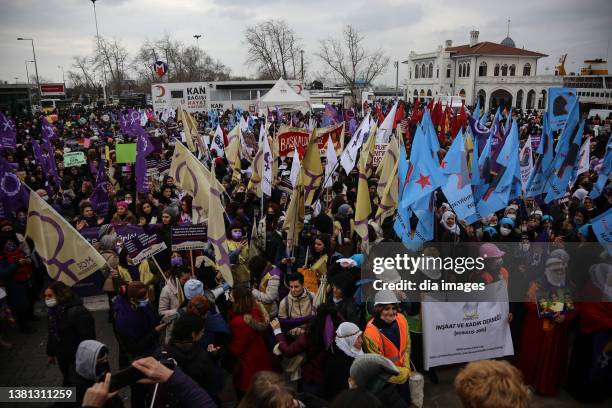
(52, 89)
(191, 96)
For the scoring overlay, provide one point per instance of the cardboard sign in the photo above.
(290, 138)
(72, 159)
(125, 152)
(188, 237)
(140, 244)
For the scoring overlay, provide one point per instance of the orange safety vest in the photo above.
(385, 345)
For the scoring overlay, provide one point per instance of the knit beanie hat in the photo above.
(193, 287)
(372, 371)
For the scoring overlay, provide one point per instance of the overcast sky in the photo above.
(65, 28)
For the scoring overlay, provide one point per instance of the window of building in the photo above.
(416, 72)
(482, 69)
(467, 73)
(437, 71)
(448, 70)
(496, 70)
(527, 69)
(431, 70)
(410, 73)
(519, 99)
(512, 70)
(504, 70)
(460, 70)
(423, 73)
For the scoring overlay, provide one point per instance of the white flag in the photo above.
(330, 163)
(584, 157)
(386, 128)
(526, 160)
(217, 142)
(244, 126)
(165, 114)
(266, 163)
(295, 168)
(143, 118)
(348, 158)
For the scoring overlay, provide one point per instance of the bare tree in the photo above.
(82, 75)
(274, 49)
(350, 62)
(113, 57)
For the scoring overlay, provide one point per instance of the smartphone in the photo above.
(125, 377)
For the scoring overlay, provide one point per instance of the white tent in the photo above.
(283, 96)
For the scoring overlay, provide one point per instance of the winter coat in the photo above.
(248, 344)
(72, 325)
(312, 367)
(337, 365)
(134, 328)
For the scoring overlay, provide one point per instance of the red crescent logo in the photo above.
(161, 89)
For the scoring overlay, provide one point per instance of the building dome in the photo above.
(508, 42)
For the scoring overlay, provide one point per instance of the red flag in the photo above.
(399, 114)
(454, 127)
(415, 116)
(462, 117)
(430, 105)
(442, 132)
(436, 115)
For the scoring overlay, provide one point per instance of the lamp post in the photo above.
(63, 78)
(197, 37)
(396, 64)
(27, 73)
(302, 65)
(98, 38)
(35, 64)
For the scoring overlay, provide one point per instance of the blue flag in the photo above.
(560, 102)
(424, 174)
(542, 168)
(602, 228)
(499, 189)
(564, 166)
(604, 173)
(458, 189)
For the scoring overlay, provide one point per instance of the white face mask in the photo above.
(51, 302)
(493, 224)
(505, 231)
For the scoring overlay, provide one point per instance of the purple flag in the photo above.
(46, 129)
(279, 115)
(13, 195)
(99, 197)
(8, 132)
(47, 148)
(143, 148)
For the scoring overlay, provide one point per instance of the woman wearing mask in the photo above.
(172, 297)
(346, 346)
(248, 320)
(69, 324)
(238, 246)
(507, 231)
(493, 261)
(544, 343)
(108, 249)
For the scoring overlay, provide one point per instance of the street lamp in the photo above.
(63, 78)
(396, 64)
(35, 64)
(197, 37)
(27, 73)
(98, 37)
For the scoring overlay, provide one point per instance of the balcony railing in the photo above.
(536, 80)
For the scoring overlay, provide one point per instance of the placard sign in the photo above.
(143, 246)
(72, 159)
(188, 237)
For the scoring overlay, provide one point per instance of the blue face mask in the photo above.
(176, 261)
(143, 303)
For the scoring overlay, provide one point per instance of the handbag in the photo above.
(416, 382)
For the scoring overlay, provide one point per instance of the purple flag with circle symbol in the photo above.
(99, 197)
(42, 159)
(13, 194)
(8, 132)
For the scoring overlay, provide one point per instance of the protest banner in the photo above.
(458, 332)
(74, 159)
(289, 138)
(379, 152)
(90, 234)
(125, 152)
(140, 243)
(189, 237)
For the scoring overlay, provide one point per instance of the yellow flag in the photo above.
(255, 180)
(232, 152)
(191, 175)
(385, 168)
(389, 197)
(367, 152)
(68, 257)
(469, 148)
(311, 174)
(294, 218)
(217, 235)
(363, 205)
(190, 127)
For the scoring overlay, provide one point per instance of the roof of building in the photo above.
(509, 42)
(490, 48)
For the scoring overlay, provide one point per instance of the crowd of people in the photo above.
(293, 330)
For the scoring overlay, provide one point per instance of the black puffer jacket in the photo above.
(68, 329)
